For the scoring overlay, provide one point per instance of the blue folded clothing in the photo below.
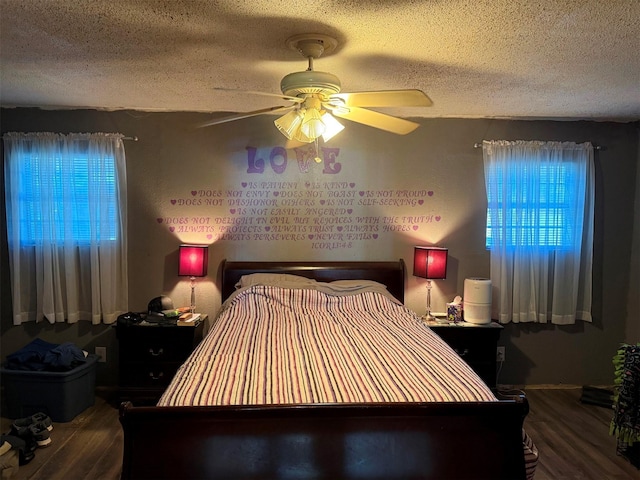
(39, 355)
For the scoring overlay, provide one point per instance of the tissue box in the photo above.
(454, 312)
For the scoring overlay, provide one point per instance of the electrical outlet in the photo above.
(500, 355)
(102, 353)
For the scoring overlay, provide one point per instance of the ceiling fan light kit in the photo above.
(316, 99)
(312, 125)
(289, 123)
(332, 126)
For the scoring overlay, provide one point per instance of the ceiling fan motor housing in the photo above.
(310, 82)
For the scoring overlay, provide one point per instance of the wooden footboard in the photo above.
(338, 441)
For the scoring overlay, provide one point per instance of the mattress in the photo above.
(344, 342)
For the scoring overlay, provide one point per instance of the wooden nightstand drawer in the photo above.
(149, 373)
(150, 355)
(475, 344)
(470, 351)
(155, 349)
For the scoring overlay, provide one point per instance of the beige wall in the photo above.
(373, 197)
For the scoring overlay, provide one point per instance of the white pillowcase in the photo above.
(273, 279)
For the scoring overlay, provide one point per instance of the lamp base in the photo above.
(193, 296)
(430, 318)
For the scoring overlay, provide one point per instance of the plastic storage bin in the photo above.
(61, 395)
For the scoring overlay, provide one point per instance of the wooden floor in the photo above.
(572, 438)
(88, 447)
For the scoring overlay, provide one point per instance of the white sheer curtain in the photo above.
(540, 230)
(66, 206)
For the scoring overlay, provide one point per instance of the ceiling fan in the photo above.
(316, 100)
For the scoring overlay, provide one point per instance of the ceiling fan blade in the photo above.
(377, 120)
(385, 98)
(239, 116)
(263, 94)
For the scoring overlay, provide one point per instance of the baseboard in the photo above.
(549, 386)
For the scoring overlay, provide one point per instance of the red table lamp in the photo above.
(194, 260)
(430, 263)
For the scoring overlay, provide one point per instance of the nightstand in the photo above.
(476, 345)
(149, 356)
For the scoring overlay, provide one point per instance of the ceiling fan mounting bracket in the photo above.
(312, 45)
(311, 82)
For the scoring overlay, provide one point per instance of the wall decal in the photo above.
(324, 212)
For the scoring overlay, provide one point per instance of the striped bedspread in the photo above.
(272, 345)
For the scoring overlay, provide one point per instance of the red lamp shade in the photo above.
(194, 260)
(430, 262)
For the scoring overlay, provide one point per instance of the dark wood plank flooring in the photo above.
(88, 447)
(573, 440)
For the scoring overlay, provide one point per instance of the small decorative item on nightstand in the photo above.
(454, 310)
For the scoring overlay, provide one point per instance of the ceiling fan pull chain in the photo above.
(317, 158)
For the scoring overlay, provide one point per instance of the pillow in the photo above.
(347, 284)
(273, 279)
(354, 287)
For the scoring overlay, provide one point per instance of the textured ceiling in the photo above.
(566, 59)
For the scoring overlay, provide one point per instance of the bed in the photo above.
(222, 418)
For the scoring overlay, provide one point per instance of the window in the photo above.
(66, 226)
(540, 198)
(538, 207)
(68, 186)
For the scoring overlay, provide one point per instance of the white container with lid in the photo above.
(477, 300)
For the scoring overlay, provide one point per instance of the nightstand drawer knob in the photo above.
(463, 352)
(156, 353)
(156, 377)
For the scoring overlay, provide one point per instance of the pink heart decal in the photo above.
(415, 227)
(275, 194)
(232, 211)
(321, 202)
(339, 229)
(244, 184)
(352, 184)
(209, 236)
(171, 229)
(420, 202)
(310, 237)
(173, 202)
(159, 220)
(438, 218)
(193, 192)
(361, 193)
(266, 229)
(375, 236)
(430, 193)
(349, 211)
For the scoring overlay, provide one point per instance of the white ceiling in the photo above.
(565, 59)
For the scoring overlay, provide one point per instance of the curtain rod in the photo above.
(479, 145)
(135, 139)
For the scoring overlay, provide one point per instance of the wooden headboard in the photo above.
(390, 274)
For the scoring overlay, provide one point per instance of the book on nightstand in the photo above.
(188, 319)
